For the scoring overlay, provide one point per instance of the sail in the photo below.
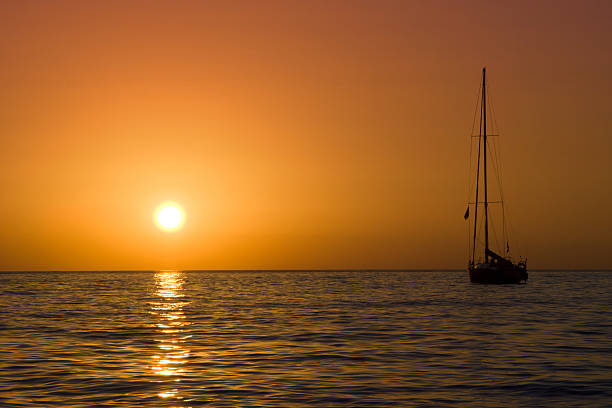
(497, 257)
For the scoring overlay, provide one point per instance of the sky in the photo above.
(299, 134)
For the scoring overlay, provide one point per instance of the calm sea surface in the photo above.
(301, 339)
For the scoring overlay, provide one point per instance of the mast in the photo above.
(477, 184)
(484, 146)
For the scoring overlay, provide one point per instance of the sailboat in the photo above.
(490, 266)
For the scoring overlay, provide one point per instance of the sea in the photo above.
(304, 339)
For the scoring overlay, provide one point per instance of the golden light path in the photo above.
(169, 216)
(171, 338)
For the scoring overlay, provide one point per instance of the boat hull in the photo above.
(497, 274)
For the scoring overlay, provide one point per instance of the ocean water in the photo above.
(303, 339)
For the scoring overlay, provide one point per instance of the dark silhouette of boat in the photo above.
(492, 267)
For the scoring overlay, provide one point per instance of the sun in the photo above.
(169, 216)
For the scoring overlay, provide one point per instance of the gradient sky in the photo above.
(323, 134)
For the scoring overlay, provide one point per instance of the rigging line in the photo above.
(504, 230)
(467, 234)
(501, 193)
(497, 243)
(490, 107)
(496, 147)
(495, 157)
(510, 228)
(501, 238)
(506, 219)
(498, 166)
(479, 241)
(476, 109)
(471, 168)
(493, 114)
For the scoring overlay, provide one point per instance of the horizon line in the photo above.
(299, 270)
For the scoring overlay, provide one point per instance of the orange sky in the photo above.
(324, 134)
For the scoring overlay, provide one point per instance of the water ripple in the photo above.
(300, 339)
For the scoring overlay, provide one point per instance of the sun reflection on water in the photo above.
(171, 338)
